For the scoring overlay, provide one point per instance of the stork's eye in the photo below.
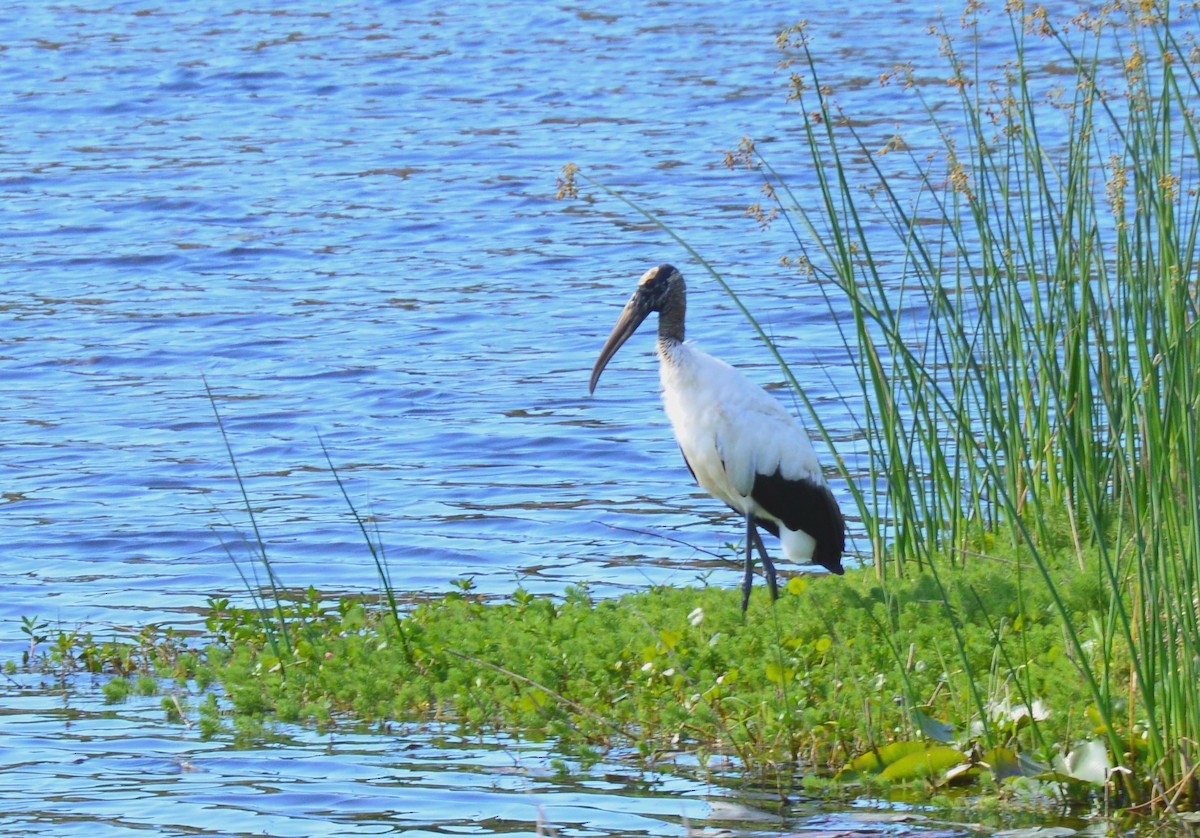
(655, 281)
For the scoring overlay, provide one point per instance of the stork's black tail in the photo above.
(806, 505)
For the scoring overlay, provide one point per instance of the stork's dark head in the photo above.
(656, 284)
(660, 289)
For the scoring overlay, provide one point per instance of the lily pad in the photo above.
(1088, 763)
(925, 763)
(902, 761)
(875, 761)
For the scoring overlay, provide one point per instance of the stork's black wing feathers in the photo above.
(804, 505)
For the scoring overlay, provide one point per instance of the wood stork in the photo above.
(739, 443)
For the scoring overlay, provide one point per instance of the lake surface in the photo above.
(88, 769)
(340, 218)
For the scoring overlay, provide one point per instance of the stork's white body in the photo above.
(730, 431)
(741, 445)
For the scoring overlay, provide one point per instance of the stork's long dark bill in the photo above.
(636, 310)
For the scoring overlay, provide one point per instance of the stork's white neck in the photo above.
(672, 351)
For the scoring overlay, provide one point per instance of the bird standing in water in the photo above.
(739, 443)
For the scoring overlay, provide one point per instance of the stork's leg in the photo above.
(748, 577)
(768, 565)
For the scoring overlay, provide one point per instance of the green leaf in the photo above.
(1088, 763)
(938, 731)
(1030, 767)
(1003, 762)
(875, 761)
(927, 763)
(354, 618)
(777, 674)
(531, 702)
(961, 774)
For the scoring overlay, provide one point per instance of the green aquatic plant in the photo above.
(1048, 386)
(862, 684)
(656, 671)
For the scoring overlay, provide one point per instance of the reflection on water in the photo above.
(340, 217)
(99, 770)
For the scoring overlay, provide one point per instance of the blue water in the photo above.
(340, 218)
(343, 220)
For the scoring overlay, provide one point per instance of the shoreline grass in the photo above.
(841, 680)
(1051, 242)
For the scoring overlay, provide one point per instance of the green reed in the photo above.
(271, 617)
(277, 612)
(1048, 381)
